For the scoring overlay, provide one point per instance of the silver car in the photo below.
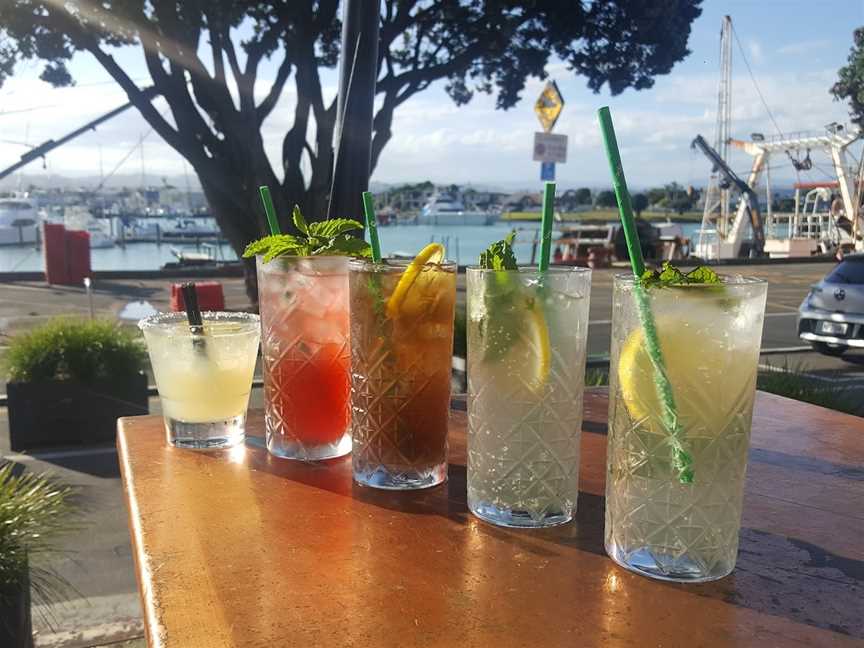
(831, 317)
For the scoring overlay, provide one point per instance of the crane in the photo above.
(47, 146)
(748, 205)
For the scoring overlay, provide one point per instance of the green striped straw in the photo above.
(269, 209)
(372, 226)
(546, 225)
(681, 459)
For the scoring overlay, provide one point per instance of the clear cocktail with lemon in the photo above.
(527, 335)
(401, 356)
(662, 521)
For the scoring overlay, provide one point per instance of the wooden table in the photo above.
(237, 548)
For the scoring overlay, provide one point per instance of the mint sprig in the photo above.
(669, 275)
(499, 255)
(324, 238)
(503, 296)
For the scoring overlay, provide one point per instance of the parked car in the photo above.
(831, 317)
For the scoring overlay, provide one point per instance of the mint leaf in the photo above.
(260, 246)
(703, 275)
(286, 248)
(500, 256)
(669, 275)
(321, 238)
(299, 221)
(333, 227)
(346, 245)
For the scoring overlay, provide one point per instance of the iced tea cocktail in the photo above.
(303, 303)
(203, 380)
(401, 358)
(527, 335)
(662, 521)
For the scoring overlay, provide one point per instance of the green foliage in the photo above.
(583, 196)
(606, 199)
(80, 350)
(33, 512)
(669, 275)
(596, 377)
(793, 381)
(850, 79)
(324, 238)
(500, 256)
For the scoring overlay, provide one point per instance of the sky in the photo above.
(794, 48)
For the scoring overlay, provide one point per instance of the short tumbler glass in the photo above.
(527, 335)
(658, 522)
(203, 381)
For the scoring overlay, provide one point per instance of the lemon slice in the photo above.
(539, 358)
(710, 378)
(432, 253)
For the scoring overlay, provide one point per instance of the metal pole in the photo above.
(358, 71)
(87, 287)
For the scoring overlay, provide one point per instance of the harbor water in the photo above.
(464, 244)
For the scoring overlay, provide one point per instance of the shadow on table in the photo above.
(776, 575)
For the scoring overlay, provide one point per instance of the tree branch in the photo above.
(269, 102)
(218, 56)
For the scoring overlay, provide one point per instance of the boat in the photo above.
(19, 221)
(447, 209)
(190, 228)
(78, 217)
(206, 255)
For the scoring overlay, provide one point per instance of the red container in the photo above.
(210, 297)
(77, 256)
(54, 253)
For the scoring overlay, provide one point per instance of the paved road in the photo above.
(97, 559)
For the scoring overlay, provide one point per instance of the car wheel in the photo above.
(835, 350)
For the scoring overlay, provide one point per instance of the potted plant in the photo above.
(33, 511)
(70, 380)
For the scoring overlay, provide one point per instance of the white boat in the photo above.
(79, 218)
(446, 209)
(19, 221)
(190, 228)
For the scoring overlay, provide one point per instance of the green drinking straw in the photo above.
(269, 209)
(682, 460)
(546, 225)
(372, 226)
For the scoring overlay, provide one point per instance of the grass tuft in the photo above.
(793, 381)
(33, 512)
(70, 349)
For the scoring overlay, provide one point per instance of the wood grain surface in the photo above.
(237, 548)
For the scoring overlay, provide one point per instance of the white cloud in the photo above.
(756, 54)
(803, 47)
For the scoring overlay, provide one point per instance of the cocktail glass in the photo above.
(527, 336)
(658, 523)
(304, 315)
(401, 360)
(203, 380)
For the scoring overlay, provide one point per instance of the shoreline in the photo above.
(235, 270)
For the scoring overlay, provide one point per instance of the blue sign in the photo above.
(547, 171)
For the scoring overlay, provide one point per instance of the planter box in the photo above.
(15, 622)
(62, 413)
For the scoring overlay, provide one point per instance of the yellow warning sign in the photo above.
(548, 106)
